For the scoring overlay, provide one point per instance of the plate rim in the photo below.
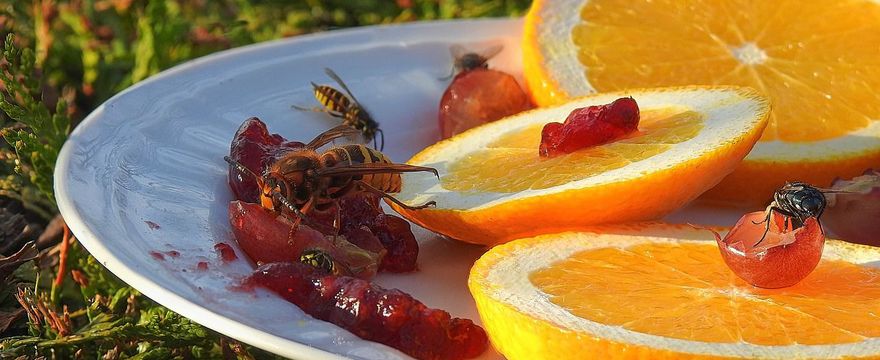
(193, 311)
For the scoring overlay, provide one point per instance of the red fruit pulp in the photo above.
(254, 147)
(477, 97)
(266, 239)
(590, 126)
(361, 211)
(226, 252)
(391, 317)
(783, 258)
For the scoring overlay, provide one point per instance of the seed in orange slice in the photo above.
(494, 186)
(816, 60)
(663, 291)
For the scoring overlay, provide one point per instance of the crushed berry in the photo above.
(590, 126)
(784, 257)
(226, 252)
(397, 237)
(173, 253)
(477, 97)
(255, 148)
(369, 311)
(266, 239)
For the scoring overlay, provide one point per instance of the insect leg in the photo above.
(381, 135)
(370, 188)
(242, 169)
(451, 73)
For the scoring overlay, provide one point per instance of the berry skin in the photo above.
(371, 312)
(590, 126)
(266, 238)
(255, 148)
(477, 97)
(783, 258)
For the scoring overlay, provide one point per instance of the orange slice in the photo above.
(495, 187)
(663, 291)
(816, 60)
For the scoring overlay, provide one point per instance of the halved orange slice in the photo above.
(663, 291)
(818, 61)
(495, 187)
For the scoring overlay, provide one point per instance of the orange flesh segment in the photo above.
(685, 291)
(512, 163)
(814, 59)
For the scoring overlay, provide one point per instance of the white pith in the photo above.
(509, 281)
(729, 114)
(571, 77)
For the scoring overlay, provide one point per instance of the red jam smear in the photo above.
(783, 258)
(590, 126)
(202, 266)
(157, 255)
(477, 97)
(371, 312)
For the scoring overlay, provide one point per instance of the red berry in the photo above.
(266, 238)
(590, 126)
(255, 148)
(783, 258)
(397, 237)
(477, 97)
(369, 311)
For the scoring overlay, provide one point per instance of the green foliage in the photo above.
(65, 59)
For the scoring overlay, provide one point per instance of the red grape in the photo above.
(477, 97)
(784, 257)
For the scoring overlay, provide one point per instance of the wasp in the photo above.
(303, 180)
(318, 259)
(345, 106)
(464, 60)
(797, 201)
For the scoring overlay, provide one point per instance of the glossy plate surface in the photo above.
(145, 173)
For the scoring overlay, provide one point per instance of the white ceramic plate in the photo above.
(154, 154)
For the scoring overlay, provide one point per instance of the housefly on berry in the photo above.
(796, 201)
(465, 60)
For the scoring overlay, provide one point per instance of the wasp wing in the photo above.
(326, 137)
(338, 80)
(373, 168)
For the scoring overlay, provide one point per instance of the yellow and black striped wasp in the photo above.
(303, 180)
(346, 107)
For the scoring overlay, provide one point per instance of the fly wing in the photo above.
(457, 51)
(491, 51)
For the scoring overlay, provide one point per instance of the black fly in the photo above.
(465, 60)
(797, 201)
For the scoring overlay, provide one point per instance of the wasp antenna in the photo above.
(241, 168)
